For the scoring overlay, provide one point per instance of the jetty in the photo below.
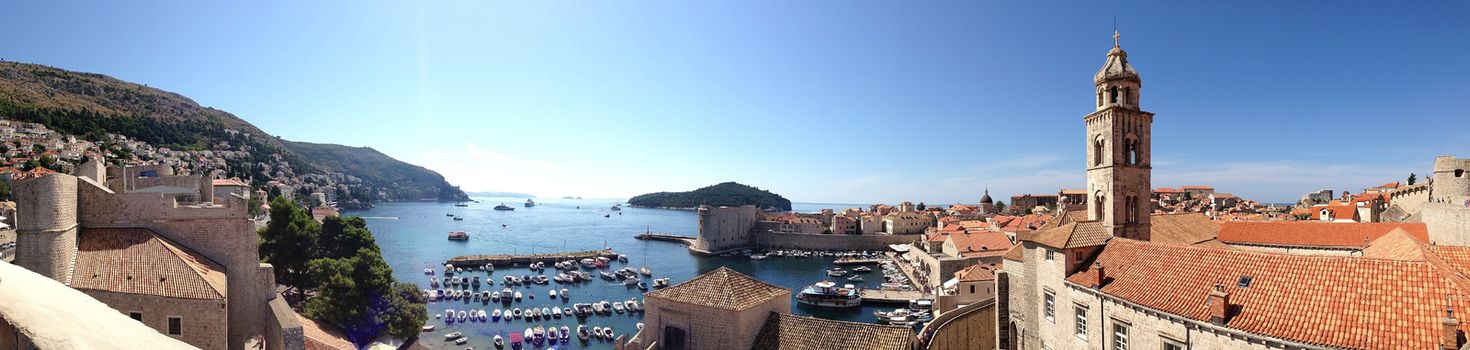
(877, 296)
(857, 261)
(511, 259)
(650, 236)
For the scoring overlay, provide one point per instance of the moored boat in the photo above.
(503, 207)
(459, 236)
(827, 294)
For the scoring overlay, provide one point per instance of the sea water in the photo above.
(412, 237)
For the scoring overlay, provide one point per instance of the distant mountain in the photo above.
(724, 194)
(91, 105)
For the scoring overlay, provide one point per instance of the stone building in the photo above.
(907, 223)
(1123, 280)
(169, 259)
(724, 309)
(725, 228)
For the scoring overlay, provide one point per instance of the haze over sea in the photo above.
(412, 236)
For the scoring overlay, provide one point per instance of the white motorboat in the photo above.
(461, 316)
(645, 271)
(617, 307)
(518, 313)
(545, 312)
(495, 316)
(566, 334)
(518, 296)
(553, 293)
(499, 342)
(556, 312)
(454, 335)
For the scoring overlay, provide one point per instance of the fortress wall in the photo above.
(46, 236)
(1448, 224)
(1451, 180)
(806, 241)
(725, 227)
(1411, 199)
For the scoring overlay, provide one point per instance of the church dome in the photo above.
(986, 199)
(1117, 66)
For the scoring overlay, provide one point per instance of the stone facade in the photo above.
(203, 322)
(1451, 181)
(725, 228)
(46, 235)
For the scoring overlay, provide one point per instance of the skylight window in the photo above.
(1245, 281)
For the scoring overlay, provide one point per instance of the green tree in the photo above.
(343, 237)
(920, 207)
(287, 243)
(31, 164)
(1000, 206)
(357, 294)
(38, 148)
(1412, 178)
(405, 313)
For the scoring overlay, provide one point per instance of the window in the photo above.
(1126, 93)
(1120, 336)
(1081, 329)
(1113, 95)
(1132, 149)
(972, 289)
(1101, 210)
(1459, 172)
(136, 316)
(674, 338)
(175, 325)
(1097, 150)
(1171, 344)
(1051, 303)
(1048, 256)
(1077, 256)
(1245, 281)
(1099, 98)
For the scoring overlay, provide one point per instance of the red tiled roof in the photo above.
(981, 243)
(1017, 253)
(322, 336)
(1314, 234)
(975, 273)
(1073, 235)
(1348, 302)
(230, 182)
(1182, 229)
(1339, 212)
(138, 261)
(722, 288)
(1168, 190)
(1197, 187)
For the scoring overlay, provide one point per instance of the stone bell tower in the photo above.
(1118, 152)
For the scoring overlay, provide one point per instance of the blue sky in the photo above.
(826, 101)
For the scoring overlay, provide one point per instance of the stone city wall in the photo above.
(724, 228)
(1451, 180)
(283, 329)
(46, 236)
(779, 240)
(203, 321)
(707, 327)
(1448, 224)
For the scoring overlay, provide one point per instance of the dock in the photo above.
(857, 261)
(876, 296)
(510, 260)
(650, 236)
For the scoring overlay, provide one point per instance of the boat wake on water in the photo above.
(380, 217)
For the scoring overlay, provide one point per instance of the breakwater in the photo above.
(517, 260)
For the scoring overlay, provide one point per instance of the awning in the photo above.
(901, 248)
(951, 283)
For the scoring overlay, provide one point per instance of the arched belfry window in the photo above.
(1131, 147)
(1099, 97)
(1113, 95)
(1097, 150)
(1127, 92)
(1098, 206)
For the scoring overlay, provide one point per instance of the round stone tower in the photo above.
(1451, 180)
(46, 223)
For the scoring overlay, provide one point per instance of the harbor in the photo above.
(510, 241)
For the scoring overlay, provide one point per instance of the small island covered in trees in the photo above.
(724, 194)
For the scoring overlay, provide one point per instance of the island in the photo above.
(724, 194)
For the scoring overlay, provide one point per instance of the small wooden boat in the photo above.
(453, 336)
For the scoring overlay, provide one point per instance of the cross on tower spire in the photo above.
(1115, 37)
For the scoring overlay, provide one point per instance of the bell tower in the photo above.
(1118, 151)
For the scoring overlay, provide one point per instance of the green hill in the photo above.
(90, 105)
(724, 194)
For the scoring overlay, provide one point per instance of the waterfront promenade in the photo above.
(517, 260)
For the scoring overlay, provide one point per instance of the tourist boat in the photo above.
(459, 236)
(661, 283)
(836, 272)
(862, 269)
(427, 328)
(530, 203)
(891, 286)
(618, 307)
(827, 294)
(757, 256)
(582, 332)
(453, 336)
(566, 334)
(921, 304)
(499, 342)
(518, 312)
(503, 207)
(855, 278)
(645, 271)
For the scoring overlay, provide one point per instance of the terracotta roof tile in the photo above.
(981, 243)
(138, 261)
(322, 336)
(722, 288)
(1314, 234)
(1396, 245)
(1016, 253)
(1182, 229)
(1077, 234)
(790, 332)
(975, 273)
(1348, 302)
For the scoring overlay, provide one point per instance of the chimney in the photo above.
(1451, 338)
(1100, 273)
(1219, 305)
